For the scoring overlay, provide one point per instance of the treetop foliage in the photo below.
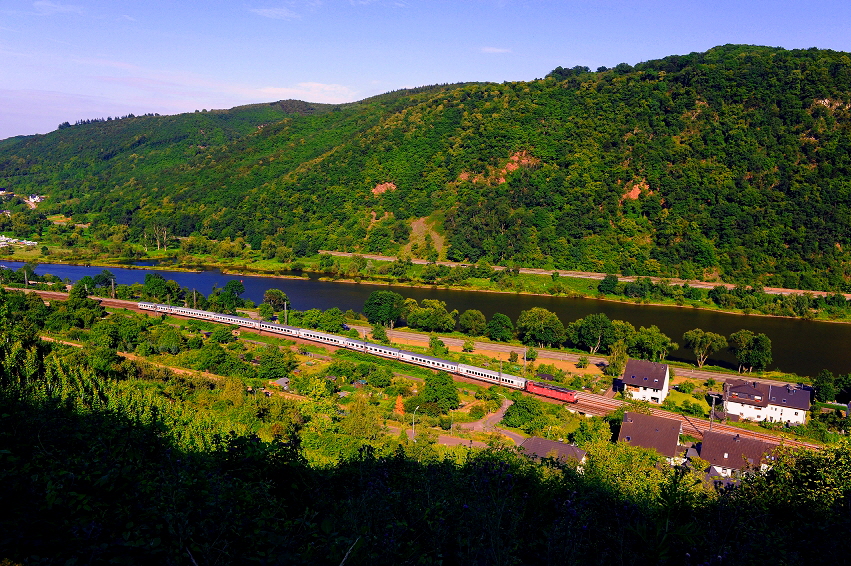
(731, 162)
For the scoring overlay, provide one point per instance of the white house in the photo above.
(646, 381)
(758, 401)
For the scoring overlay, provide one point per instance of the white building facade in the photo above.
(646, 381)
(758, 402)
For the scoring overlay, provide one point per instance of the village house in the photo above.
(757, 401)
(658, 433)
(646, 381)
(537, 448)
(729, 454)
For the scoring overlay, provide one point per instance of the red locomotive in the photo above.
(553, 391)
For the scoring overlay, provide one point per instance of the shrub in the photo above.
(222, 335)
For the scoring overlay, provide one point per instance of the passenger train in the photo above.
(490, 376)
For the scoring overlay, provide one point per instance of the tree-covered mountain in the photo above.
(735, 163)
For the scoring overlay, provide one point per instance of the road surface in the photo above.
(593, 275)
(588, 403)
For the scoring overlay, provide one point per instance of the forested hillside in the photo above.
(733, 163)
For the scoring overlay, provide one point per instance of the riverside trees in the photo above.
(595, 333)
(383, 307)
(703, 344)
(752, 351)
(540, 326)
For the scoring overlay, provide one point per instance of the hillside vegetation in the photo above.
(734, 164)
(112, 461)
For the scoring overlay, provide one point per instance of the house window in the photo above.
(627, 439)
(725, 454)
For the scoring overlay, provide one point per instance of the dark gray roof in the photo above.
(789, 396)
(761, 394)
(648, 431)
(748, 392)
(538, 447)
(733, 451)
(642, 373)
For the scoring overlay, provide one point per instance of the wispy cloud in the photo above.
(494, 50)
(276, 13)
(47, 8)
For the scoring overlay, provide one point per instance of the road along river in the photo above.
(800, 346)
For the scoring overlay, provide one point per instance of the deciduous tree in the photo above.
(383, 307)
(652, 344)
(703, 344)
(277, 298)
(500, 328)
(540, 326)
(440, 390)
(472, 322)
(593, 333)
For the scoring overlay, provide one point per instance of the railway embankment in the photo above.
(588, 403)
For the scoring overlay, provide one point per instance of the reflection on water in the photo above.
(800, 346)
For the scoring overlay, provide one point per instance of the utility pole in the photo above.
(712, 412)
(285, 313)
(113, 286)
(194, 300)
(413, 425)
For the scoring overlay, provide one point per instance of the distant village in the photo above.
(31, 201)
(6, 241)
(728, 455)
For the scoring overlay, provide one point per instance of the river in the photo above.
(799, 346)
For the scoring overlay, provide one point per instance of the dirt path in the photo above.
(489, 422)
(562, 360)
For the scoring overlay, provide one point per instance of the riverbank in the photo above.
(803, 347)
(526, 281)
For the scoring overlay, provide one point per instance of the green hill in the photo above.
(735, 163)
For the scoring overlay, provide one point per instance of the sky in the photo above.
(65, 60)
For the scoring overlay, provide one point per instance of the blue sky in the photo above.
(71, 59)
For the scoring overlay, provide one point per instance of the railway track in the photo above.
(599, 405)
(588, 403)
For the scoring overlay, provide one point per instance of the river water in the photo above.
(799, 346)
